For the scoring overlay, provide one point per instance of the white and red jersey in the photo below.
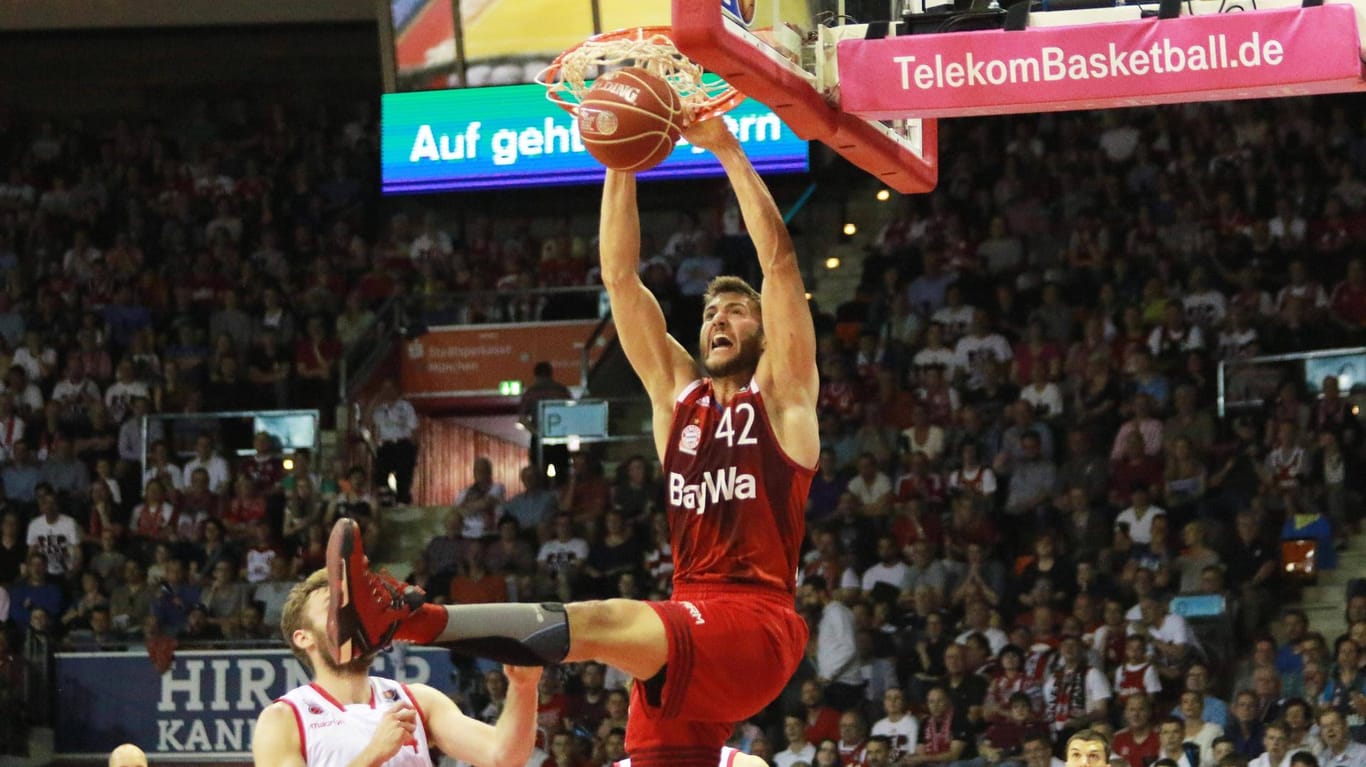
(332, 734)
(1131, 679)
(736, 501)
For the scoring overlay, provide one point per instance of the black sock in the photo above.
(517, 634)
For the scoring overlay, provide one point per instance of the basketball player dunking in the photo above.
(346, 718)
(738, 448)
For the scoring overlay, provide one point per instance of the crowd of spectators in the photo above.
(1025, 481)
(1022, 465)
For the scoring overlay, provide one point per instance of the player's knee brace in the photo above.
(515, 634)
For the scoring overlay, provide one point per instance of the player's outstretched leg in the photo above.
(369, 609)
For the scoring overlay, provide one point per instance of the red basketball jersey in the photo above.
(736, 501)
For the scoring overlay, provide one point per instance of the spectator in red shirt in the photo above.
(911, 522)
(155, 518)
(477, 585)
(315, 362)
(840, 394)
(264, 470)
(1138, 743)
(1348, 302)
(853, 742)
(822, 722)
(246, 507)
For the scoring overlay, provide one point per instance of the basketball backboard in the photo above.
(782, 53)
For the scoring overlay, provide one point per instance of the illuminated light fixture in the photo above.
(288, 464)
(808, 295)
(850, 230)
(883, 195)
(392, 482)
(550, 471)
(832, 263)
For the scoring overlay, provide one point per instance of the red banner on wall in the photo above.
(472, 360)
(1252, 54)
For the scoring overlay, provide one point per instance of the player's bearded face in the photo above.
(742, 357)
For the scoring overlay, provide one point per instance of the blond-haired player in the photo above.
(347, 718)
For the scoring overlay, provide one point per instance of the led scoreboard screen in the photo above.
(512, 136)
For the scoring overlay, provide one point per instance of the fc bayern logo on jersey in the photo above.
(315, 709)
(391, 695)
(691, 438)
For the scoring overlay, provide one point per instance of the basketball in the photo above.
(629, 120)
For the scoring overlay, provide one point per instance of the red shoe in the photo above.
(366, 607)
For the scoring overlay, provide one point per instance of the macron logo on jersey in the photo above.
(719, 485)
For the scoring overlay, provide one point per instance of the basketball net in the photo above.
(569, 76)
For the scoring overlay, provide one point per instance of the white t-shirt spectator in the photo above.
(31, 398)
(1236, 344)
(258, 563)
(942, 357)
(1140, 528)
(177, 478)
(58, 541)
(1206, 308)
(973, 351)
(786, 758)
(1264, 760)
(955, 319)
(995, 637)
(1047, 402)
(119, 397)
(68, 390)
(1193, 340)
(870, 492)
(836, 655)
(894, 574)
(33, 364)
(395, 421)
(1310, 294)
(559, 556)
(1174, 630)
(476, 525)
(904, 734)
(216, 466)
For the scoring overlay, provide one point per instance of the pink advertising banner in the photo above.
(1253, 54)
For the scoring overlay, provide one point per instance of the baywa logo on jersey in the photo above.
(720, 485)
(690, 439)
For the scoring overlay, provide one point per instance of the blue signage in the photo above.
(205, 706)
(513, 136)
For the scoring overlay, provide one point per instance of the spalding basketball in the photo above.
(629, 120)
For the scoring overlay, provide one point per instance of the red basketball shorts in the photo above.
(731, 652)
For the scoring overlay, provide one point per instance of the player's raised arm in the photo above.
(787, 371)
(663, 365)
(507, 743)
